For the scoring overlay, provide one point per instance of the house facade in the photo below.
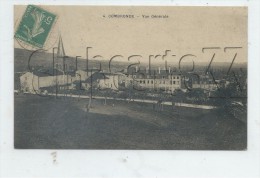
(109, 81)
(164, 80)
(204, 82)
(32, 82)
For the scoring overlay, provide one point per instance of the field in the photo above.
(65, 123)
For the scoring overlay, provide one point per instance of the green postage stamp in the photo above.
(35, 26)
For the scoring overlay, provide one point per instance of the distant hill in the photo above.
(43, 59)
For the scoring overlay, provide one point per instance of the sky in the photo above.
(186, 31)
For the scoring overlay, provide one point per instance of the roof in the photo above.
(49, 72)
(150, 74)
(96, 76)
(46, 72)
(71, 72)
(89, 70)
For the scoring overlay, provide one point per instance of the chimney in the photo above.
(169, 69)
(136, 68)
(76, 63)
(159, 70)
(147, 69)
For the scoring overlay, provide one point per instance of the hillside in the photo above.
(42, 59)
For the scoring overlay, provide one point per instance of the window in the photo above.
(148, 81)
(173, 82)
(151, 82)
(177, 77)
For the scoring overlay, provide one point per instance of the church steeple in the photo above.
(61, 51)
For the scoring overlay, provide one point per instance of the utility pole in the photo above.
(53, 58)
(91, 78)
(90, 98)
(64, 57)
(77, 62)
(87, 59)
(64, 69)
(53, 70)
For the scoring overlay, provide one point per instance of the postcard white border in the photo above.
(108, 163)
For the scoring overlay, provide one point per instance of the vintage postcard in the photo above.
(130, 77)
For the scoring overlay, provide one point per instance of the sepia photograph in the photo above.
(130, 77)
